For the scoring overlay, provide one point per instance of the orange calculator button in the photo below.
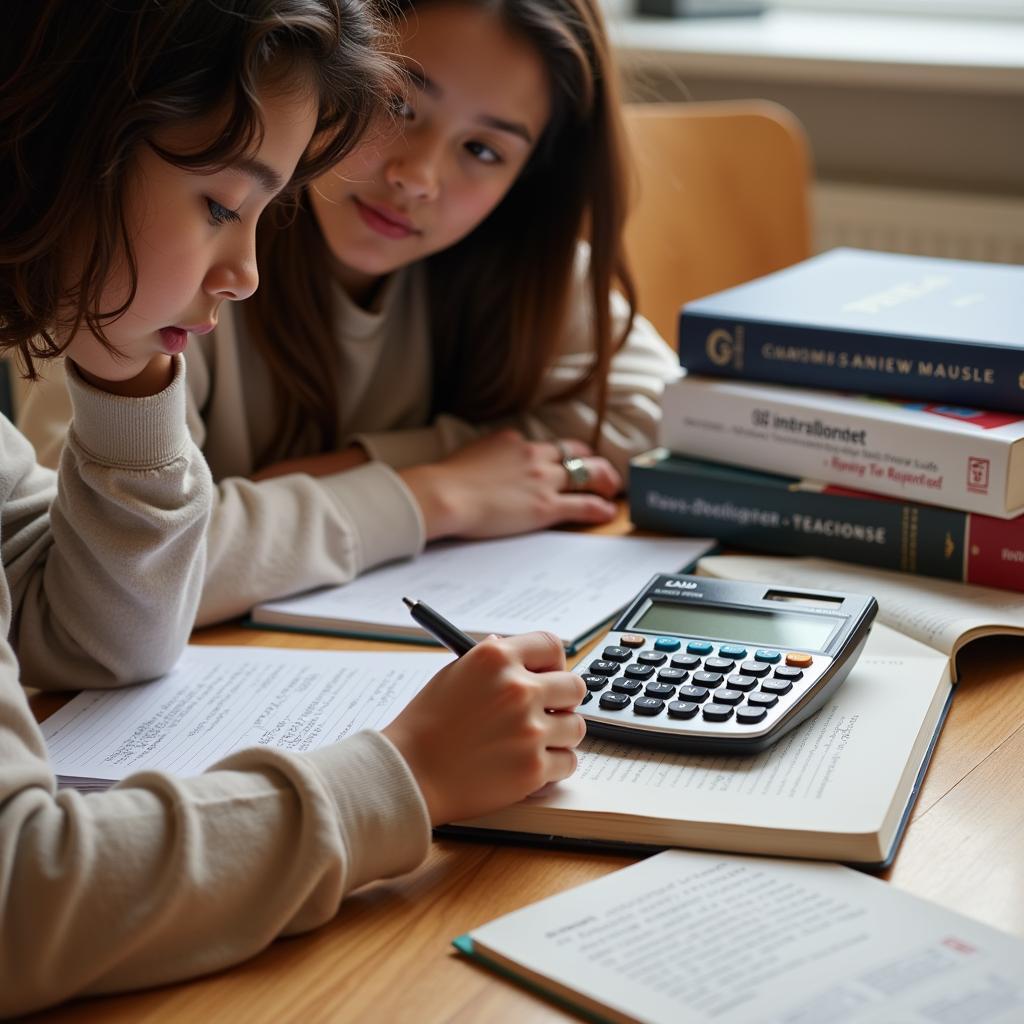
(798, 660)
(632, 640)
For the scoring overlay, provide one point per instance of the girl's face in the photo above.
(193, 237)
(479, 101)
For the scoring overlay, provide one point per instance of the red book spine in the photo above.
(995, 552)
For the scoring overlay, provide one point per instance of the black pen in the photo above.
(437, 626)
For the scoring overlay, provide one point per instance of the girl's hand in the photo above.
(492, 727)
(504, 484)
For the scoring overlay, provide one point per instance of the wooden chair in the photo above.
(723, 197)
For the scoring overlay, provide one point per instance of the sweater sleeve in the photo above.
(637, 376)
(281, 536)
(105, 574)
(162, 879)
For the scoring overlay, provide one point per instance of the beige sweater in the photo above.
(292, 533)
(157, 879)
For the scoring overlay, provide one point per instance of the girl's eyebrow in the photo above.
(265, 176)
(432, 89)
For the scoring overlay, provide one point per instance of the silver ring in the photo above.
(579, 475)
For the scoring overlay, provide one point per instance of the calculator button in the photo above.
(629, 686)
(587, 698)
(639, 671)
(738, 682)
(617, 654)
(717, 712)
(614, 701)
(750, 716)
(660, 690)
(719, 664)
(699, 647)
(673, 675)
(603, 668)
(632, 640)
(682, 709)
(595, 682)
(798, 660)
(733, 651)
(687, 661)
(648, 706)
(769, 656)
(792, 674)
(651, 658)
(667, 643)
(697, 693)
(779, 686)
(711, 679)
(762, 700)
(752, 668)
(728, 696)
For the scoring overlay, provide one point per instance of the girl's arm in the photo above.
(105, 570)
(638, 374)
(162, 879)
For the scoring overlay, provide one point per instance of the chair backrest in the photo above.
(723, 197)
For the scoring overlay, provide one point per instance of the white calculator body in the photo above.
(697, 664)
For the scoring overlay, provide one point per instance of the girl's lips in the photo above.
(174, 339)
(388, 224)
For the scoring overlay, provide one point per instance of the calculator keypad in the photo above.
(695, 687)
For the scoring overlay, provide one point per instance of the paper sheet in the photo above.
(564, 582)
(221, 699)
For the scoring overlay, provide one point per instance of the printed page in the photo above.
(221, 699)
(837, 772)
(742, 940)
(564, 582)
(941, 613)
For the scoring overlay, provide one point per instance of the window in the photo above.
(934, 8)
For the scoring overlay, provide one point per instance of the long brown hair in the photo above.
(509, 281)
(82, 84)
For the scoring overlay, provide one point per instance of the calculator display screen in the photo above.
(768, 629)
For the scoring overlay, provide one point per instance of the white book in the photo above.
(961, 459)
(712, 939)
(571, 584)
(943, 614)
(838, 787)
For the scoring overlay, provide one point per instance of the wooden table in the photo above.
(387, 956)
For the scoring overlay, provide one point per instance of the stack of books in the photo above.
(863, 406)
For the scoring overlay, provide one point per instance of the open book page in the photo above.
(941, 613)
(738, 940)
(220, 699)
(568, 583)
(837, 773)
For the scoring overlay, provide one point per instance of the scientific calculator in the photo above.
(698, 664)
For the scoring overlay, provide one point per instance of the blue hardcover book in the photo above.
(876, 322)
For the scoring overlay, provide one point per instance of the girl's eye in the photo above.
(221, 214)
(483, 153)
(402, 108)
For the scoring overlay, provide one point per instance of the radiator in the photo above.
(932, 223)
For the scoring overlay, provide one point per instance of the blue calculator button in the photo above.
(769, 656)
(733, 651)
(699, 647)
(667, 643)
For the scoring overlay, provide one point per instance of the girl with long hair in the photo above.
(139, 144)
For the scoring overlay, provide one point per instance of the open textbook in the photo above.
(718, 939)
(572, 584)
(940, 613)
(838, 787)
